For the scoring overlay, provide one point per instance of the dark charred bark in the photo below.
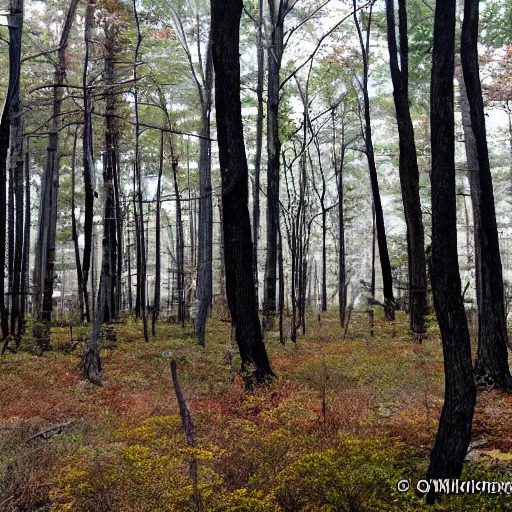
(387, 280)
(142, 243)
(342, 270)
(473, 178)
(492, 357)
(17, 157)
(111, 163)
(10, 112)
(205, 225)
(454, 432)
(74, 233)
(180, 246)
(277, 12)
(156, 301)
(24, 286)
(238, 249)
(259, 146)
(129, 261)
(92, 361)
(88, 164)
(408, 166)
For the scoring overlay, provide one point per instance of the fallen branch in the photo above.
(188, 429)
(51, 431)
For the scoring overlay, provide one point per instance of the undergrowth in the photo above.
(346, 419)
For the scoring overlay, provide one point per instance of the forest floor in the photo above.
(345, 420)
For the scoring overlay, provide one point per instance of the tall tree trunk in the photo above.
(111, 162)
(10, 111)
(387, 280)
(180, 246)
(280, 264)
(474, 180)
(259, 146)
(454, 433)
(92, 361)
(129, 261)
(492, 358)
(277, 11)
(88, 163)
(18, 160)
(205, 228)
(26, 246)
(74, 233)
(342, 271)
(142, 243)
(408, 166)
(10, 217)
(156, 301)
(234, 172)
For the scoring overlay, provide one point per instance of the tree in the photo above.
(408, 166)
(277, 12)
(234, 173)
(492, 357)
(454, 433)
(389, 301)
(11, 107)
(48, 206)
(88, 162)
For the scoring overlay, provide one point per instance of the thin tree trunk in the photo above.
(454, 432)
(277, 11)
(10, 112)
(180, 250)
(74, 232)
(281, 286)
(492, 358)
(259, 146)
(129, 263)
(26, 247)
(142, 245)
(234, 172)
(205, 228)
(88, 163)
(474, 180)
(408, 167)
(342, 276)
(19, 182)
(156, 301)
(387, 280)
(111, 162)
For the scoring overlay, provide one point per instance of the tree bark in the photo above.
(111, 162)
(156, 301)
(234, 172)
(259, 146)
(74, 233)
(473, 178)
(408, 166)
(342, 271)
(277, 11)
(205, 227)
(88, 164)
(454, 432)
(492, 358)
(11, 109)
(387, 280)
(140, 215)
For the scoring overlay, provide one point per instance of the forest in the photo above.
(255, 255)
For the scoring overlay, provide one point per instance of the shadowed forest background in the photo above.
(256, 255)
